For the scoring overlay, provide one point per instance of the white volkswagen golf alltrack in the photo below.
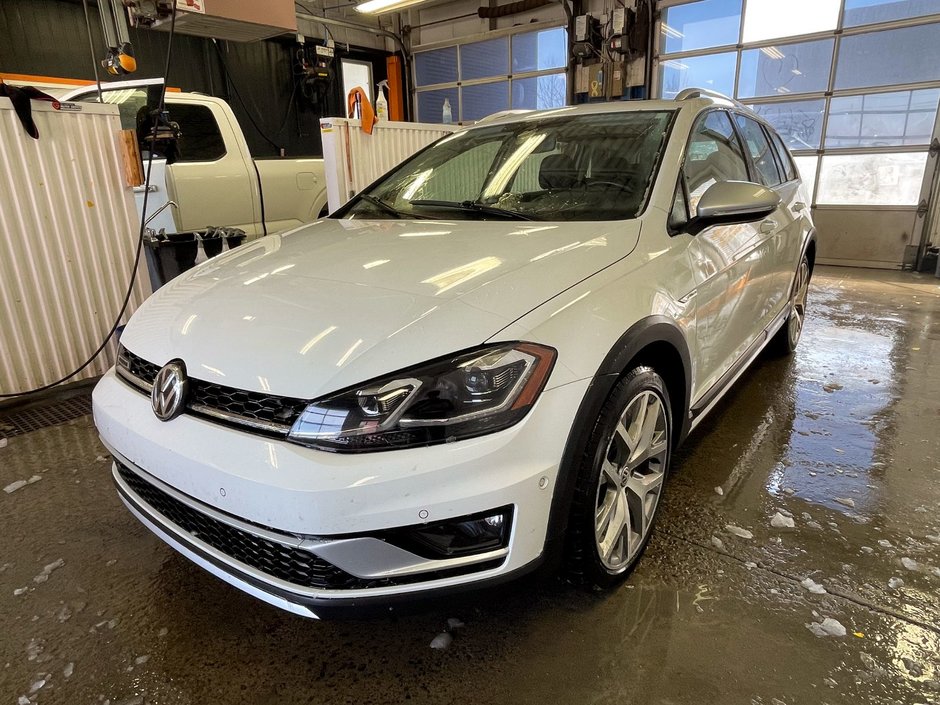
(479, 366)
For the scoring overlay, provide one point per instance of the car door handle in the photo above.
(768, 226)
(153, 188)
(798, 206)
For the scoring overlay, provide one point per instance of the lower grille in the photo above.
(292, 565)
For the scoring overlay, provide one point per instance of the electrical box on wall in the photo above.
(587, 37)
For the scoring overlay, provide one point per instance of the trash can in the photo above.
(171, 255)
(211, 242)
(235, 239)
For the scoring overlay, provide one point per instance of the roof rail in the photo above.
(690, 93)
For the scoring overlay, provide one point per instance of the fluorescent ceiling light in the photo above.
(372, 7)
(772, 52)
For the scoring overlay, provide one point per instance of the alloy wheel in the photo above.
(631, 481)
(798, 307)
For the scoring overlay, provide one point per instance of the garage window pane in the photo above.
(538, 51)
(438, 66)
(484, 59)
(785, 68)
(700, 25)
(871, 179)
(715, 72)
(807, 167)
(539, 92)
(798, 122)
(882, 119)
(906, 55)
(485, 99)
(431, 105)
(771, 19)
(859, 12)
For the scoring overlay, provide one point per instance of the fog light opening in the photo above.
(461, 536)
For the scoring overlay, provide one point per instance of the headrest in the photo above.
(558, 171)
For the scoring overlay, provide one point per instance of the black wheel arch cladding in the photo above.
(644, 343)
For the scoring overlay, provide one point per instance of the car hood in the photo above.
(338, 302)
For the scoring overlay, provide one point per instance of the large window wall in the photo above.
(476, 78)
(851, 85)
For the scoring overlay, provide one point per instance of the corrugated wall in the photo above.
(354, 159)
(68, 230)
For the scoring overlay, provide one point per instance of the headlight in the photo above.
(462, 396)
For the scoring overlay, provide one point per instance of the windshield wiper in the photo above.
(475, 207)
(381, 205)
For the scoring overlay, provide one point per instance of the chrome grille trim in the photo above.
(139, 374)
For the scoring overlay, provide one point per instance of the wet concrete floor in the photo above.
(844, 438)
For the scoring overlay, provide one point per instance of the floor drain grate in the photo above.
(20, 421)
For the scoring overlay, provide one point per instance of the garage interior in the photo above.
(796, 556)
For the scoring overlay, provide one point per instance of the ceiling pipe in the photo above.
(358, 27)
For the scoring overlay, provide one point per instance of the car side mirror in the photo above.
(732, 202)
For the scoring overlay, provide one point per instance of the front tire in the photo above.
(788, 337)
(620, 480)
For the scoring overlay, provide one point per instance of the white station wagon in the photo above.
(479, 366)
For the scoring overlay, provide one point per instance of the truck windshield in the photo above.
(565, 167)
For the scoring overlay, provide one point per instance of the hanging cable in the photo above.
(140, 235)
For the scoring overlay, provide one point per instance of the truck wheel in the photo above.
(620, 480)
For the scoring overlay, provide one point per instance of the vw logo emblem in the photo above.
(170, 389)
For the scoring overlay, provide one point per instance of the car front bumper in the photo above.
(334, 506)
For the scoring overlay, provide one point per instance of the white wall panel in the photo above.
(353, 159)
(68, 231)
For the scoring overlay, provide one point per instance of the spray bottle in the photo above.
(448, 116)
(381, 104)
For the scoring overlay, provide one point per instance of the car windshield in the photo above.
(565, 167)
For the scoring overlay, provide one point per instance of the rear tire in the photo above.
(620, 480)
(788, 337)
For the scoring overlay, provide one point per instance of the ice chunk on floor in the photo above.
(828, 627)
(68, 670)
(14, 486)
(19, 591)
(933, 539)
(22, 700)
(720, 492)
(813, 586)
(3, 442)
(37, 686)
(830, 682)
(814, 525)
(845, 501)
(47, 570)
(779, 521)
(909, 563)
(441, 641)
(884, 543)
(738, 531)
(141, 660)
(867, 549)
(453, 623)
(895, 583)
(718, 543)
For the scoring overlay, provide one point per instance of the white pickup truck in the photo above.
(215, 181)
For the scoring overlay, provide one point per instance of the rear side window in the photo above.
(200, 138)
(760, 150)
(714, 155)
(785, 160)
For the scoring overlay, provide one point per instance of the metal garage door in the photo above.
(853, 87)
